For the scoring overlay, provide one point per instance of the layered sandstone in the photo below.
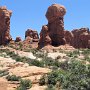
(5, 25)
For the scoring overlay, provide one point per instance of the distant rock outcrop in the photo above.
(53, 33)
(81, 38)
(18, 39)
(5, 25)
(32, 34)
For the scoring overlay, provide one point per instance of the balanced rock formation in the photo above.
(32, 34)
(53, 33)
(18, 39)
(5, 25)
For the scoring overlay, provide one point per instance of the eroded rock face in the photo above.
(81, 38)
(32, 34)
(18, 39)
(68, 37)
(44, 37)
(5, 25)
(53, 33)
(55, 11)
(28, 40)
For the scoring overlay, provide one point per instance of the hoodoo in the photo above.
(53, 32)
(5, 25)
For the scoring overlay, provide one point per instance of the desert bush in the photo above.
(42, 80)
(34, 51)
(73, 54)
(39, 54)
(86, 51)
(26, 83)
(37, 63)
(21, 88)
(76, 76)
(52, 77)
(87, 58)
(49, 61)
(13, 78)
(3, 73)
(50, 87)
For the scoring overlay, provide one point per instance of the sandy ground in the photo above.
(23, 70)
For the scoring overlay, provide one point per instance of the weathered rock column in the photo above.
(5, 25)
(55, 33)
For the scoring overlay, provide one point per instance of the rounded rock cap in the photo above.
(55, 10)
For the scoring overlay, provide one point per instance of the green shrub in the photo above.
(75, 76)
(70, 54)
(86, 51)
(39, 54)
(49, 61)
(87, 58)
(73, 54)
(34, 51)
(52, 77)
(50, 87)
(42, 80)
(3, 73)
(18, 59)
(26, 83)
(21, 88)
(37, 63)
(13, 78)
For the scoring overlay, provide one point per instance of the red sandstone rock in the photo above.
(44, 37)
(32, 34)
(81, 38)
(53, 33)
(28, 40)
(5, 25)
(18, 39)
(68, 37)
(89, 44)
(55, 11)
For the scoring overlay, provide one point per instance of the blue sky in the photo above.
(31, 14)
